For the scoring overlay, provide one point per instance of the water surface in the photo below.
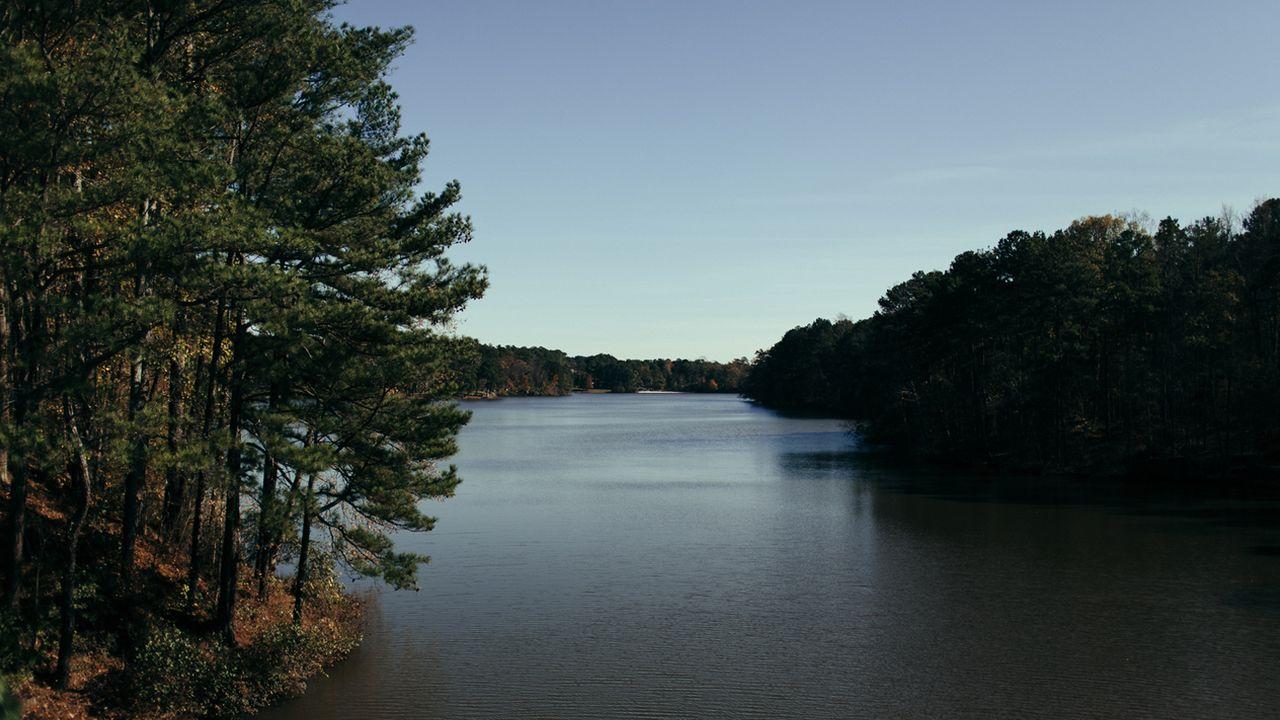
(677, 556)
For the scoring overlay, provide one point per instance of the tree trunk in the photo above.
(268, 514)
(133, 479)
(273, 550)
(136, 475)
(5, 382)
(300, 577)
(14, 527)
(79, 473)
(193, 566)
(19, 468)
(206, 425)
(263, 562)
(174, 482)
(229, 572)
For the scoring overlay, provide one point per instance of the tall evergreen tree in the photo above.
(218, 281)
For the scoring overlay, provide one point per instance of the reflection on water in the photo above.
(690, 556)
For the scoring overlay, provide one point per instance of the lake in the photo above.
(677, 556)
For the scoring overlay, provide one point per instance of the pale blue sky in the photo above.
(693, 178)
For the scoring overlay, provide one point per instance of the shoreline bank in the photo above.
(185, 671)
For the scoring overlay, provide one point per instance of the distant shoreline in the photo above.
(491, 395)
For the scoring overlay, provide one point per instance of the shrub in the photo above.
(14, 656)
(10, 707)
(178, 673)
(188, 676)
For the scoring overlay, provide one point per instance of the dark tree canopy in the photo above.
(507, 370)
(1100, 347)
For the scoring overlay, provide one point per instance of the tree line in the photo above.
(1106, 346)
(223, 304)
(514, 371)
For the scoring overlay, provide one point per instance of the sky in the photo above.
(692, 178)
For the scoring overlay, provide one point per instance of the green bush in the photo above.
(323, 586)
(179, 674)
(10, 706)
(13, 653)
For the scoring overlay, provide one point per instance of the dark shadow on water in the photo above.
(1230, 503)
(1248, 510)
(1259, 598)
(796, 413)
(1244, 516)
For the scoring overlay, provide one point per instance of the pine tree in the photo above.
(218, 281)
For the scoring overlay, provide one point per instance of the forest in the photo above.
(1111, 346)
(224, 305)
(490, 370)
